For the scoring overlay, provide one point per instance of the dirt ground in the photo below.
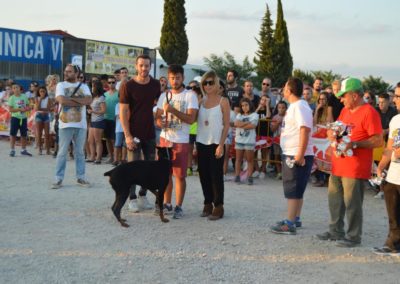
(70, 235)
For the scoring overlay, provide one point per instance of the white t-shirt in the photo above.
(72, 116)
(177, 131)
(298, 114)
(393, 175)
(246, 136)
(118, 126)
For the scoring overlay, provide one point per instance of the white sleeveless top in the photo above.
(43, 104)
(210, 124)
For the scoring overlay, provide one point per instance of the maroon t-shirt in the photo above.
(141, 100)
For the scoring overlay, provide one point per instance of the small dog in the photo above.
(152, 175)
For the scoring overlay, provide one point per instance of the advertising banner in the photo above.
(105, 58)
(30, 47)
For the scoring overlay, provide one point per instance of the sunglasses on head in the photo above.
(209, 83)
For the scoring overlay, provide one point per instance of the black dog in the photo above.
(152, 175)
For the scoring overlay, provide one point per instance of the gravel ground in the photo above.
(70, 235)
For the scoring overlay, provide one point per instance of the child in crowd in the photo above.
(18, 106)
(276, 126)
(264, 114)
(120, 148)
(42, 119)
(245, 139)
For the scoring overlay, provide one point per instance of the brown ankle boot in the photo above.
(207, 210)
(217, 213)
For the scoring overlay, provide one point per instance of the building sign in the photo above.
(30, 47)
(105, 58)
(77, 60)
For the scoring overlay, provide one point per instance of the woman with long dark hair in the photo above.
(97, 122)
(42, 119)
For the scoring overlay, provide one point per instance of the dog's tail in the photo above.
(107, 174)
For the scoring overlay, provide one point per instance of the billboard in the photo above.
(30, 47)
(105, 58)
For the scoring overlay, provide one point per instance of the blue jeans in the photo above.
(78, 137)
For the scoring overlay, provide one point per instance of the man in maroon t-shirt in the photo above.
(137, 98)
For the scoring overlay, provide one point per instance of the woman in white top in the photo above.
(212, 130)
(42, 119)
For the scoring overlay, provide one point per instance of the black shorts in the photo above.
(295, 179)
(192, 139)
(98, 124)
(109, 131)
(19, 124)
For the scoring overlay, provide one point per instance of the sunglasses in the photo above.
(208, 83)
(81, 77)
(111, 82)
(191, 87)
(367, 98)
(266, 84)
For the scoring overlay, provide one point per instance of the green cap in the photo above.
(350, 85)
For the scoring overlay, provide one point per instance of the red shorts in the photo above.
(180, 152)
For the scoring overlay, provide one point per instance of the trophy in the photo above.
(342, 132)
(377, 181)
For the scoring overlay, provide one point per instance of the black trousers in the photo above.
(211, 172)
(392, 200)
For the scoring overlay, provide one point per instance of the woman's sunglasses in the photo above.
(209, 83)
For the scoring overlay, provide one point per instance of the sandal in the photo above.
(89, 161)
(97, 162)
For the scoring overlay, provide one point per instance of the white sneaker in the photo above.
(132, 206)
(143, 203)
(379, 195)
(256, 174)
(262, 175)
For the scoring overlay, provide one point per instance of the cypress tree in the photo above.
(174, 45)
(283, 58)
(264, 58)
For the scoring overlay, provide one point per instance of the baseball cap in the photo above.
(349, 85)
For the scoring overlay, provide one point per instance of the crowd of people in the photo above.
(211, 122)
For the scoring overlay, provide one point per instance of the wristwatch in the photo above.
(354, 145)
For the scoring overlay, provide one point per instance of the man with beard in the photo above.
(179, 107)
(317, 87)
(137, 98)
(233, 91)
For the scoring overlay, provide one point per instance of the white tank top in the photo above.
(43, 104)
(210, 124)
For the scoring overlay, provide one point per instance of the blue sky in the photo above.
(357, 38)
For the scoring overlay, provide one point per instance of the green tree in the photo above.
(327, 76)
(174, 45)
(305, 76)
(265, 55)
(376, 85)
(283, 57)
(221, 65)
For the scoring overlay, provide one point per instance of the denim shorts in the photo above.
(295, 179)
(42, 117)
(18, 124)
(98, 124)
(119, 140)
(243, 146)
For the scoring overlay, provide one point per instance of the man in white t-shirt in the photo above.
(391, 156)
(123, 77)
(180, 107)
(73, 97)
(298, 155)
